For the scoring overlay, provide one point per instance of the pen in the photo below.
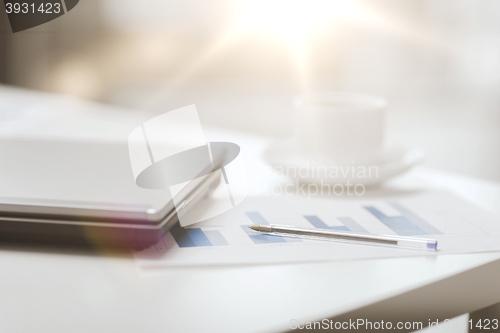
(412, 242)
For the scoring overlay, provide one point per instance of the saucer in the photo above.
(389, 162)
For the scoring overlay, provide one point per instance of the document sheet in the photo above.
(458, 226)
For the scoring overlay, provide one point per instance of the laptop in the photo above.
(83, 192)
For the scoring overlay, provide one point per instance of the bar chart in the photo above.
(407, 223)
(457, 226)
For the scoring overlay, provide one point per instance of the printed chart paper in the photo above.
(458, 226)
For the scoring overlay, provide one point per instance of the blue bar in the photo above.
(352, 225)
(181, 236)
(216, 238)
(292, 239)
(342, 228)
(198, 237)
(257, 218)
(259, 239)
(399, 224)
(316, 222)
(264, 238)
(419, 222)
(249, 231)
(275, 239)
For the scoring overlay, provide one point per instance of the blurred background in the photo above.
(241, 62)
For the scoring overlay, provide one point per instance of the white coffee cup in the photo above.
(339, 126)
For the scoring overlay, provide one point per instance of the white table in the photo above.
(51, 291)
(64, 292)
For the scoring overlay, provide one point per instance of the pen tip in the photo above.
(254, 227)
